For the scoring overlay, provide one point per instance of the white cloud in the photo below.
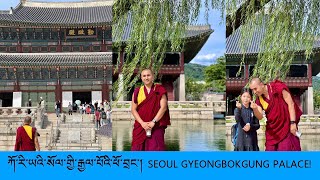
(206, 57)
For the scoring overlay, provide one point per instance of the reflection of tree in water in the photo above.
(172, 142)
(126, 140)
(217, 141)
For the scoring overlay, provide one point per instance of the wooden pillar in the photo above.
(19, 46)
(310, 74)
(182, 83)
(103, 43)
(58, 90)
(16, 87)
(246, 72)
(182, 62)
(105, 88)
(59, 47)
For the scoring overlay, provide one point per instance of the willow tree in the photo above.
(290, 30)
(156, 26)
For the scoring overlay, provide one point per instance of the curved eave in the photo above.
(194, 44)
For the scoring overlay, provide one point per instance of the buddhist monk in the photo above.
(27, 137)
(150, 109)
(282, 114)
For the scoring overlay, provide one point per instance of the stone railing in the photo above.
(217, 106)
(37, 114)
(17, 111)
(178, 109)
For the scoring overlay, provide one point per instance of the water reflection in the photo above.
(195, 135)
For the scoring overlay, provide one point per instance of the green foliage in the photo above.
(316, 91)
(215, 75)
(194, 90)
(290, 28)
(194, 71)
(157, 27)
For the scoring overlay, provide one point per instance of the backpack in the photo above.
(103, 115)
(234, 134)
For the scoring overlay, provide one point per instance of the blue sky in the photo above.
(214, 47)
(216, 44)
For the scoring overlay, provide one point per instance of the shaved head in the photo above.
(27, 120)
(257, 86)
(255, 80)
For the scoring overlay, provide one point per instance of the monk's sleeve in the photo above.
(18, 141)
(278, 87)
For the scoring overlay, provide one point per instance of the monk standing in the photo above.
(27, 137)
(282, 114)
(150, 109)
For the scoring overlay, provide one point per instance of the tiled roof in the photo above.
(233, 42)
(192, 31)
(59, 14)
(55, 59)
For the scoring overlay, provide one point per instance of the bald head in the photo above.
(257, 86)
(27, 120)
(255, 80)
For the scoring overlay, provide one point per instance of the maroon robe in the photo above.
(23, 141)
(147, 110)
(278, 118)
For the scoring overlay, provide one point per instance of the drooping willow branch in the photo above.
(146, 29)
(288, 29)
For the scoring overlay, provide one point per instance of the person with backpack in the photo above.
(103, 117)
(245, 131)
(282, 113)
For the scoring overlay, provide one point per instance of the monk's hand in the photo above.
(293, 129)
(145, 125)
(246, 128)
(238, 105)
(151, 124)
(253, 105)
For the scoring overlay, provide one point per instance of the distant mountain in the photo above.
(194, 71)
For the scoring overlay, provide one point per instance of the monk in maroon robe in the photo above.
(27, 137)
(282, 113)
(150, 109)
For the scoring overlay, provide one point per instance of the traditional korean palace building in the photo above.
(63, 51)
(299, 78)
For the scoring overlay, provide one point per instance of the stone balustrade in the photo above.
(218, 106)
(17, 111)
(178, 109)
(37, 114)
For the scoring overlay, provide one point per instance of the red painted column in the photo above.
(103, 44)
(16, 87)
(59, 47)
(105, 88)
(58, 90)
(182, 62)
(246, 72)
(19, 46)
(310, 75)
